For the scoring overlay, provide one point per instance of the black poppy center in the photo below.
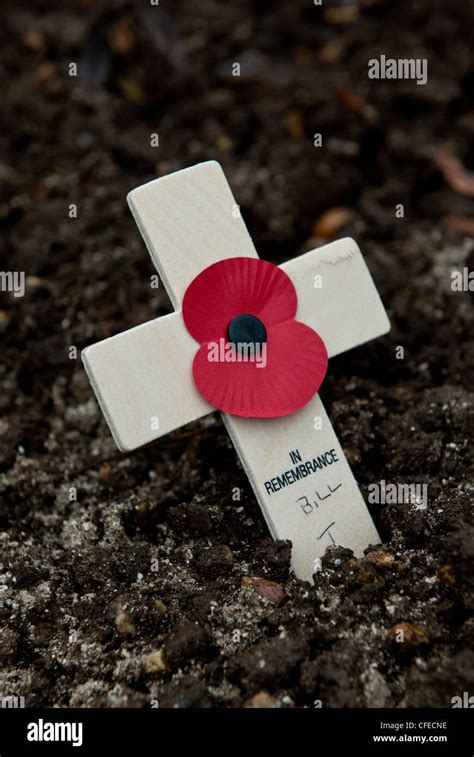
(246, 329)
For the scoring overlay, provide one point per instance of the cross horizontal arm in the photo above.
(142, 380)
(337, 296)
(142, 377)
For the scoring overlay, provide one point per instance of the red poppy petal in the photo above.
(296, 365)
(232, 287)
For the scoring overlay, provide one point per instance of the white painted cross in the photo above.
(143, 377)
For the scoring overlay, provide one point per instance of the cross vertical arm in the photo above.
(189, 220)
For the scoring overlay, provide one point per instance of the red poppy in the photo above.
(255, 359)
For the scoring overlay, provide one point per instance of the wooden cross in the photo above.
(143, 377)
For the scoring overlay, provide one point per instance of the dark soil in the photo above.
(141, 592)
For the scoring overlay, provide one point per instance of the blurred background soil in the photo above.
(156, 585)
